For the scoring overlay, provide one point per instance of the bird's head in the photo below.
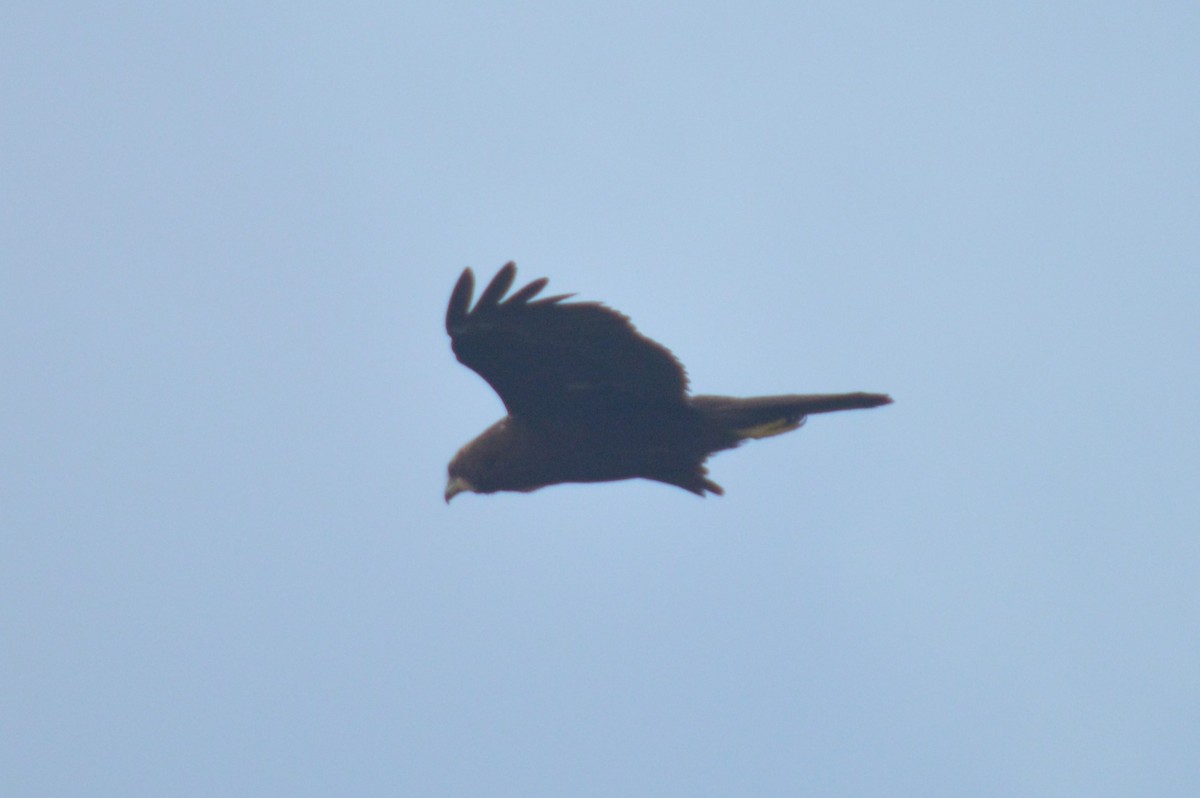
(457, 481)
(481, 465)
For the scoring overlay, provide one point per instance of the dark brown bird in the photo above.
(590, 399)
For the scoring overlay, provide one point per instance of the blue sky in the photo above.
(227, 237)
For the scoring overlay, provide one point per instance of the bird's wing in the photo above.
(548, 358)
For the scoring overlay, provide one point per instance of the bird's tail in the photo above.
(764, 416)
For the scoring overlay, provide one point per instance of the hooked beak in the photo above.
(455, 486)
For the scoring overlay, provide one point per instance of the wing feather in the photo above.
(460, 302)
(528, 292)
(549, 358)
(497, 288)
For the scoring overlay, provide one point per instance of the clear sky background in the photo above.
(227, 236)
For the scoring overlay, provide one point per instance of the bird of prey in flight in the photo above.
(590, 399)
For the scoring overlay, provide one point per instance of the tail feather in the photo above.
(764, 416)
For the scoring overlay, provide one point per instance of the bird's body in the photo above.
(592, 400)
(529, 455)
